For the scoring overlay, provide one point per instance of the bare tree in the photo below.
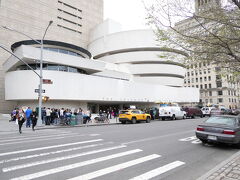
(210, 34)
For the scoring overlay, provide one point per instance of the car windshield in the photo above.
(230, 121)
(123, 112)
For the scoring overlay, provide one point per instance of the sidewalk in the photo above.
(6, 126)
(227, 170)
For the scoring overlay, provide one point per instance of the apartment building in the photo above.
(72, 22)
(215, 89)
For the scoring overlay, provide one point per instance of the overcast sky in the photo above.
(130, 13)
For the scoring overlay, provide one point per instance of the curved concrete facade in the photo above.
(102, 82)
(139, 52)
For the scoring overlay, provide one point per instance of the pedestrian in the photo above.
(34, 119)
(44, 117)
(61, 115)
(28, 117)
(13, 114)
(48, 114)
(20, 117)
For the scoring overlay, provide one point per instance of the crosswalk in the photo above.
(59, 154)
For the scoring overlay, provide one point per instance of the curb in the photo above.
(87, 125)
(209, 173)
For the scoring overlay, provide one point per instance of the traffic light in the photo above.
(45, 98)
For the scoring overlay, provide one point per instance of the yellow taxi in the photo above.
(133, 116)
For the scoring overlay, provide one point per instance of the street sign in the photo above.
(47, 81)
(37, 90)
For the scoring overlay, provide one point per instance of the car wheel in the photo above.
(134, 120)
(193, 116)
(148, 120)
(173, 117)
(123, 122)
(184, 116)
(163, 119)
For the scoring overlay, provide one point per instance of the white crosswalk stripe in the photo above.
(59, 159)
(108, 170)
(51, 153)
(158, 171)
(76, 165)
(64, 158)
(35, 137)
(48, 147)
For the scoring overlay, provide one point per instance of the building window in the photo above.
(219, 84)
(218, 77)
(188, 74)
(209, 78)
(200, 79)
(197, 86)
(205, 85)
(192, 73)
(210, 86)
(210, 93)
(196, 79)
(205, 78)
(217, 69)
(220, 93)
(200, 72)
(209, 70)
(220, 100)
(211, 101)
(201, 86)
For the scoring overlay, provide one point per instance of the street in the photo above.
(158, 150)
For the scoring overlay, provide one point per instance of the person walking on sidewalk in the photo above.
(34, 119)
(20, 117)
(28, 116)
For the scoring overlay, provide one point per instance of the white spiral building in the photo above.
(127, 68)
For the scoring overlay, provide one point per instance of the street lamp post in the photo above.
(41, 64)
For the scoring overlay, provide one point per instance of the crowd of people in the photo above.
(50, 116)
(54, 116)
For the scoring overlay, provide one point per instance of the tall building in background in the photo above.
(214, 88)
(72, 22)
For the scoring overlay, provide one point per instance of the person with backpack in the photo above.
(20, 117)
(34, 119)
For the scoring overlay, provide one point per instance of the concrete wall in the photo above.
(79, 87)
(32, 16)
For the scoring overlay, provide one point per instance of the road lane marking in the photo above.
(49, 147)
(76, 165)
(36, 137)
(43, 139)
(94, 135)
(53, 152)
(154, 138)
(117, 167)
(158, 171)
(193, 139)
(188, 138)
(30, 135)
(21, 166)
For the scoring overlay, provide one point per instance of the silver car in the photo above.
(222, 129)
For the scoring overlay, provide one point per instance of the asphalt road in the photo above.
(159, 150)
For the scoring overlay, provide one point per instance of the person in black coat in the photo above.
(34, 119)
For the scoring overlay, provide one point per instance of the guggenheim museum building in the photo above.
(113, 68)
